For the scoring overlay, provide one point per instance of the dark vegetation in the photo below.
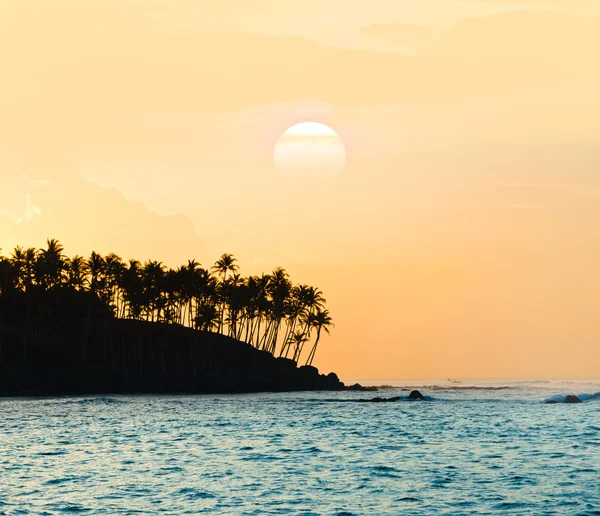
(76, 325)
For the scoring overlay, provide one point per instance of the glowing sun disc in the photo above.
(310, 149)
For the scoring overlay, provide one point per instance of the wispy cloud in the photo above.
(587, 190)
(399, 33)
(36, 183)
(31, 211)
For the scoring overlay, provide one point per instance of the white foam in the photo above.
(560, 398)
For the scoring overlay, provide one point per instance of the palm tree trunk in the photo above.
(296, 354)
(258, 332)
(269, 341)
(311, 355)
(248, 326)
(263, 343)
(290, 329)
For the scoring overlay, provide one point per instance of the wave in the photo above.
(101, 400)
(453, 388)
(560, 398)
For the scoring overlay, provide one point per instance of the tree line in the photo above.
(267, 311)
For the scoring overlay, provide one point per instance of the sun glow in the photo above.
(310, 149)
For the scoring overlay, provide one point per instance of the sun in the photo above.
(310, 149)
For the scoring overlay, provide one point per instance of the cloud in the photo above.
(583, 190)
(74, 81)
(589, 7)
(561, 3)
(399, 33)
(31, 210)
(83, 214)
(101, 83)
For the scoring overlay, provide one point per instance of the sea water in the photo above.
(475, 448)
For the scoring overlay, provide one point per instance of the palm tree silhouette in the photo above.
(298, 339)
(260, 310)
(75, 273)
(222, 266)
(24, 263)
(49, 265)
(321, 320)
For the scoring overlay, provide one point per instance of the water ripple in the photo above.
(295, 454)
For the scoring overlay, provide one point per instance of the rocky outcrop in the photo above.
(416, 395)
(381, 400)
(359, 387)
(571, 398)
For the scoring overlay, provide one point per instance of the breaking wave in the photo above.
(454, 388)
(560, 398)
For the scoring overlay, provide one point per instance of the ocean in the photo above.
(478, 447)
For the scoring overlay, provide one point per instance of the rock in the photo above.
(359, 387)
(332, 381)
(572, 399)
(286, 363)
(308, 370)
(333, 377)
(550, 402)
(416, 395)
(381, 400)
(373, 400)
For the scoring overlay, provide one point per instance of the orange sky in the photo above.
(461, 239)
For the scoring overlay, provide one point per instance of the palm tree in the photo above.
(222, 266)
(293, 311)
(189, 277)
(76, 273)
(280, 290)
(297, 339)
(153, 273)
(321, 320)
(260, 300)
(49, 265)
(253, 309)
(207, 318)
(112, 269)
(93, 266)
(232, 293)
(24, 263)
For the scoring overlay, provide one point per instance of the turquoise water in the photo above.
(468, 451)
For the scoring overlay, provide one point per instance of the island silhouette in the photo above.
(102, 325)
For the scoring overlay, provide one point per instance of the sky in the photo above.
(462, 237)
